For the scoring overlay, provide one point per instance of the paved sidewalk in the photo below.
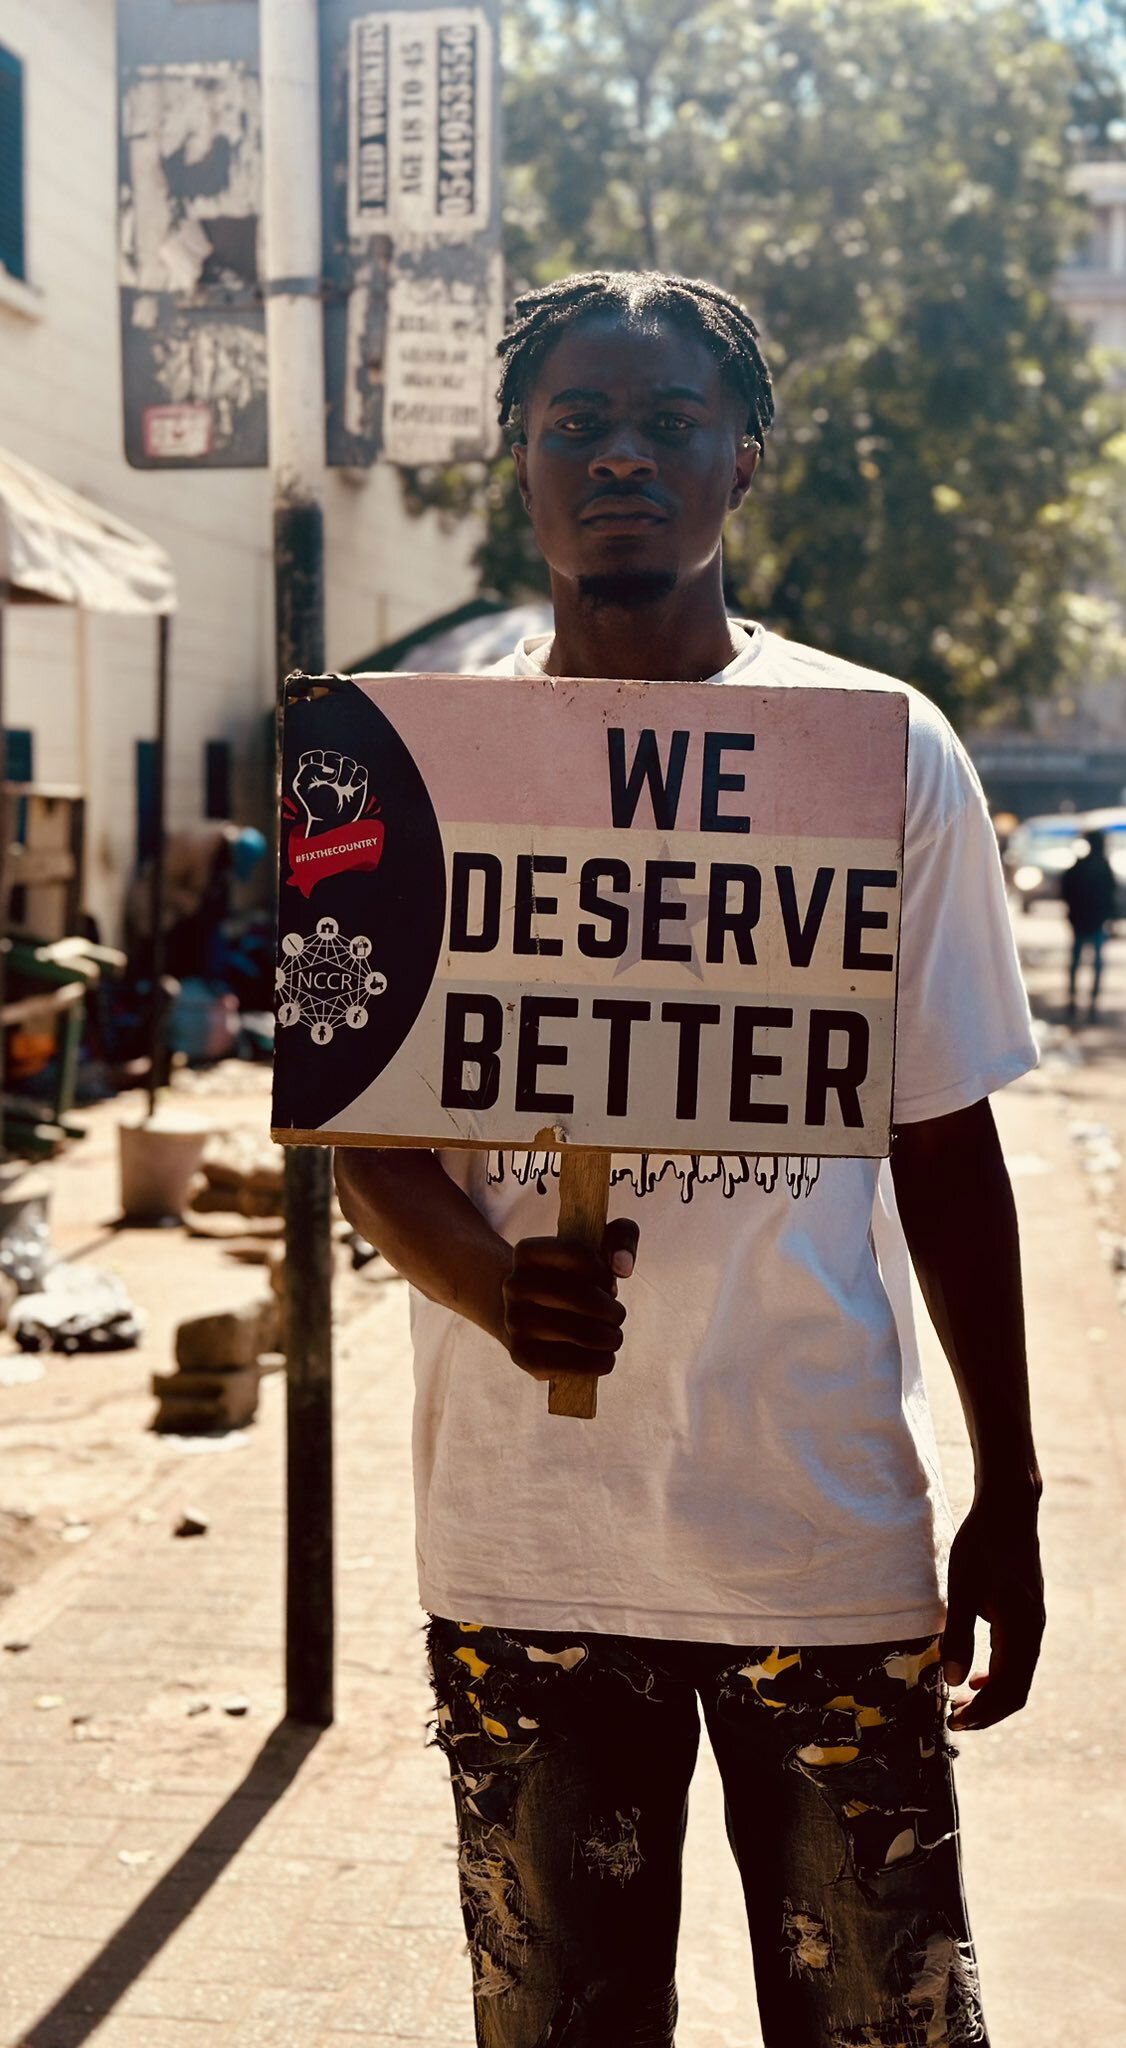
(176, 1876)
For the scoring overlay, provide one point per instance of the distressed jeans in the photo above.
(571, 1757)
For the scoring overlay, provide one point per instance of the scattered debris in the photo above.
(135, 1859)
(74, 1531)
(16, 1646)
(25, 1245)
(237, 1706)
(80, 1308)
(195, 1402)
(218, 1359)
(198, 1707)
(86, 1729)
(192, 1523)
(47, 1700)
(232, 1338)
(239, 1175)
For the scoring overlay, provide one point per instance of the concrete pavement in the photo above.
(177, 1875)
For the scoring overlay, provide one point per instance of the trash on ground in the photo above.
(25, 1244)
(192, 1523)
(80, 1308)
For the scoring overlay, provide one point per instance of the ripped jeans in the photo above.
(571, 1757)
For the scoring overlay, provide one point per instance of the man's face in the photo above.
(634, 457)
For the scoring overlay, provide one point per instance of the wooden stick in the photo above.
(584, 1195)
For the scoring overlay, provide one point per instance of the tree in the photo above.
(884, 182)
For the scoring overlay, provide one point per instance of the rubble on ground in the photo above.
(220, 1361)
(79, 1308)
(240, 1175)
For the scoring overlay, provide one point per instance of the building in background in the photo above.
(1075, 754)
(1093, 288)
(79, 706)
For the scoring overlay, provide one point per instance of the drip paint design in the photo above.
(727, 1170)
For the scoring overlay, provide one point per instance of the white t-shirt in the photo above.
(763, 1467)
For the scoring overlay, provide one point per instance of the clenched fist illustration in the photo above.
(332, 787)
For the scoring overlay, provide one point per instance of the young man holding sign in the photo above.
(755, 1524)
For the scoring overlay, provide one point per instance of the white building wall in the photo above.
(60, 407)
(1093, 288)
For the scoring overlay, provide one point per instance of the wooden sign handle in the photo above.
(584, 1196)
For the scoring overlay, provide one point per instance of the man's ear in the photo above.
(746, 463)
(520, 458)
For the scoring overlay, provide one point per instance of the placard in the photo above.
(642, 917)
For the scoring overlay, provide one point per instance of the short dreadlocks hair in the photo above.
(540, 317)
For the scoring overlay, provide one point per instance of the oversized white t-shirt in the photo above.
(763, 1466)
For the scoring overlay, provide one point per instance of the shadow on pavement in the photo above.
(92, 1996)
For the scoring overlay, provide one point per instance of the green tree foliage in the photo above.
(884, 183)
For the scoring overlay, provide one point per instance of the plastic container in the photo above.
(158, 1161)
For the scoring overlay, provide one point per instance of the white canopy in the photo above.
(59, 547)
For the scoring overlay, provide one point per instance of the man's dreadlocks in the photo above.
(722, 324)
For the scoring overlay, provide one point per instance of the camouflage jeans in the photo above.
(571, 1757)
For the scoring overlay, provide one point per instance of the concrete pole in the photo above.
(292, 266)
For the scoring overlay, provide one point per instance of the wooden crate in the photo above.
(43, 845)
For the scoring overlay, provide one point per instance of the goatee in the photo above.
(627, 589)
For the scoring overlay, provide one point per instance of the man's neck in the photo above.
(683, 637)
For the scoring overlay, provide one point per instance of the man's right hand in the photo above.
(561, 1307)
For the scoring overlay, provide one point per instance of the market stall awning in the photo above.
(58, 547)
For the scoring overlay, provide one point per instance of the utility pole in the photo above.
(292, 249)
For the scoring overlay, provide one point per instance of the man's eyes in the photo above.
(577, 423)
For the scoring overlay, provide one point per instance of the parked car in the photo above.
(1037, 853)
(1111, 822)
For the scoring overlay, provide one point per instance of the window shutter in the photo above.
(11, 165)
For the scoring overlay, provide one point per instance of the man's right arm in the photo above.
(552, 1306)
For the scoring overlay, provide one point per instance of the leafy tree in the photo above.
(884, 183)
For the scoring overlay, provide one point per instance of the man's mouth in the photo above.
(623, 515)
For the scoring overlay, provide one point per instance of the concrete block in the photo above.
(191, 1401)
(232, 1338)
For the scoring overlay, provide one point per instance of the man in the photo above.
(1090, 893)
(752, 1524)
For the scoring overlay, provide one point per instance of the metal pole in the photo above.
(292, 247)
(5, 858)
(156, 898)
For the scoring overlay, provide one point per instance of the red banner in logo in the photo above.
(331, 852)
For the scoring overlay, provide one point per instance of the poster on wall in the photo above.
(414, 298)
(538, 912)
(193, 325)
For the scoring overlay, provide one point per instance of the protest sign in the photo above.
(638, 917)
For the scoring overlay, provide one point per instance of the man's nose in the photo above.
(623, 456)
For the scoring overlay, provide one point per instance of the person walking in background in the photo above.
(1090, 892)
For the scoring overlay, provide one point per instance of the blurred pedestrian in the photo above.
(1090, 892)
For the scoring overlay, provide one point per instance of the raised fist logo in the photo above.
(331, 787)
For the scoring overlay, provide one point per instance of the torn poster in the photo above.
(190, 182)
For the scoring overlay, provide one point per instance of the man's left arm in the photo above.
(956, 1206)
